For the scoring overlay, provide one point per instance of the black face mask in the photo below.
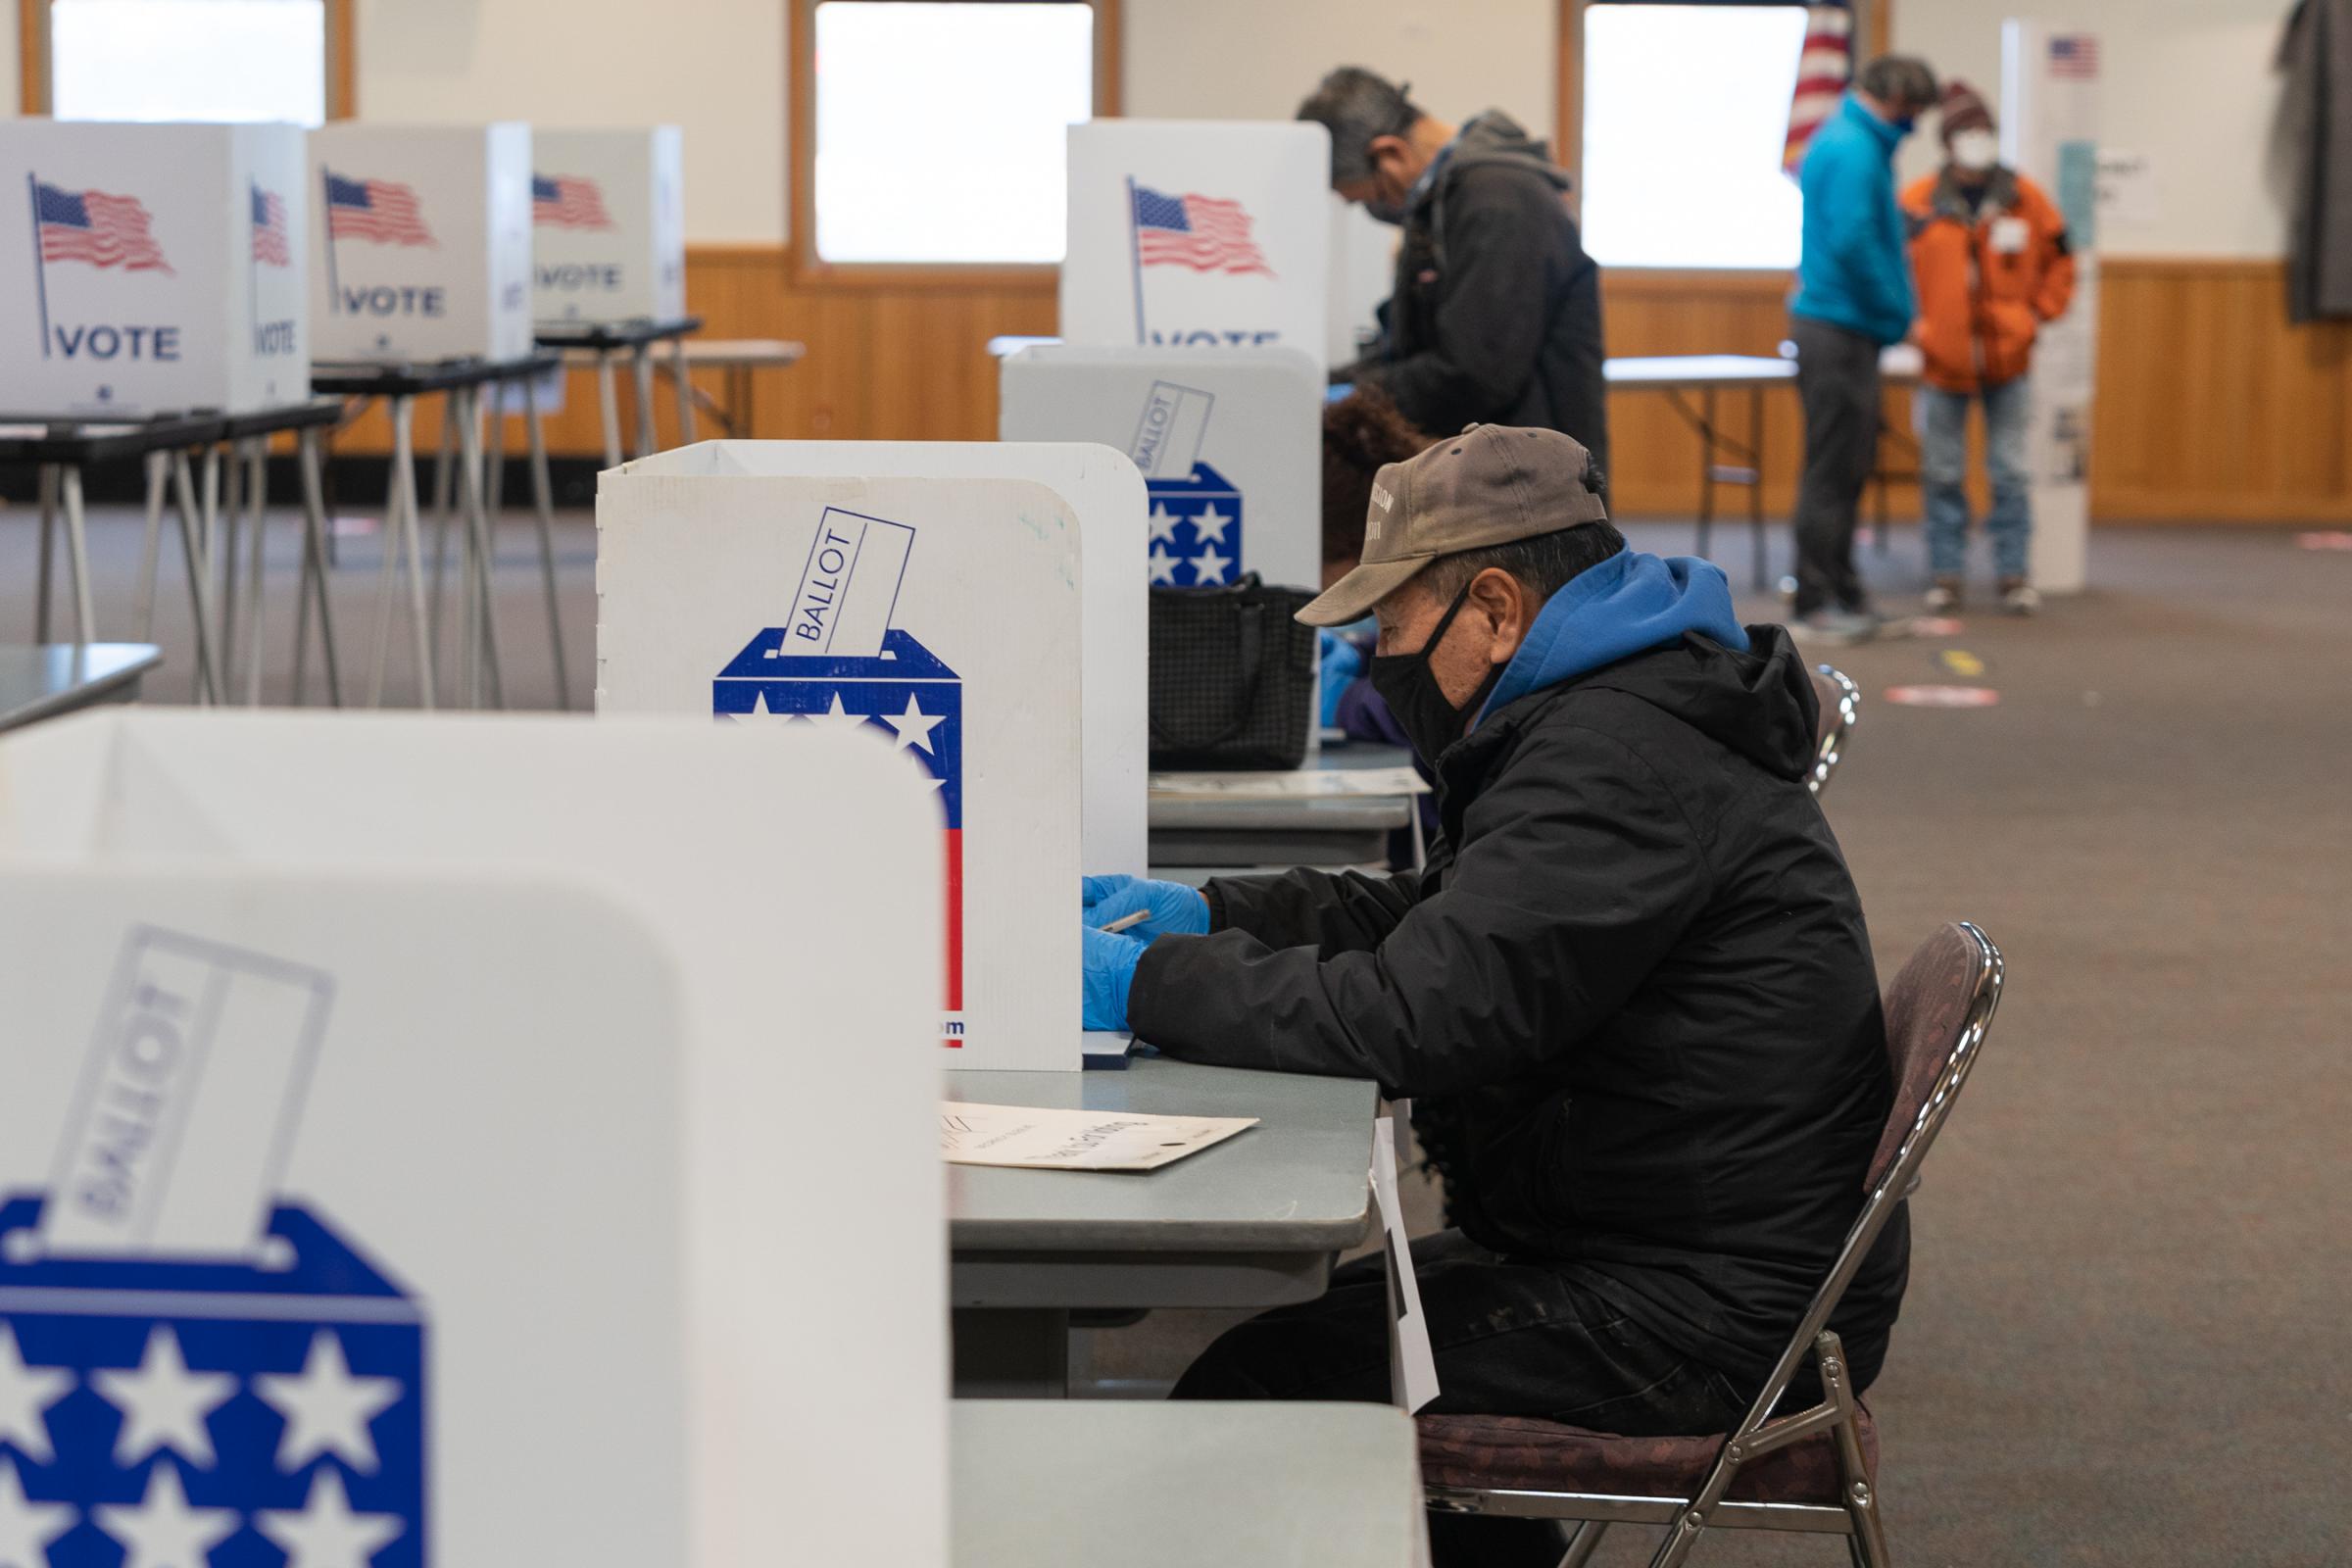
(1410, 688)
(1382, 211)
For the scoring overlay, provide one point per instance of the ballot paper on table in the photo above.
(1036, 1138)
(1297, 784)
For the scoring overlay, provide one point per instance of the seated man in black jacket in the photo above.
(1634, 973)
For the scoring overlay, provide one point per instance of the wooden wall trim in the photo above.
(342, 60)
(32, 57)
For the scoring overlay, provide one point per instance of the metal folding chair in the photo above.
(1840, 703)
(1814, 1470)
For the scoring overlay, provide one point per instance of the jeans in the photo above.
(1508, 1338)
(1838, 381)
(1943, 421)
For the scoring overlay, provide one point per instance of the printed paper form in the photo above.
(1034, 1138)
(849, 586)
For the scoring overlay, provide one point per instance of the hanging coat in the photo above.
(2317, 57)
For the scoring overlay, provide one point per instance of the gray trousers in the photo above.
(1837, 380)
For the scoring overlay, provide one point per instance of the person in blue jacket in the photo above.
(1855, 297)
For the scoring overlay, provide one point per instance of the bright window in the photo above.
(1686, 116)
(940, 127)
(188, 60)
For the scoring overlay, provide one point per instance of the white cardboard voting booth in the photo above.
(151, 268)
(2051, 129)
(1193, 233)
(399, 1112)
(420, 242)
(608, 225)
(934, 596)
(1228, 441)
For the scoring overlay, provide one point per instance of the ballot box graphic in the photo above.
(905, 694)
(248, 1414)
(1196, 529)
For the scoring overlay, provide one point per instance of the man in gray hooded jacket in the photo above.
(1495, 314)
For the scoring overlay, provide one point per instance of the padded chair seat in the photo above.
(1520, 1454)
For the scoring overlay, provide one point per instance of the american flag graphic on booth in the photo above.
(1825, 62)
(565, 201)
(270, 245)
(93, 226)
(1206, 233)
(905, 694)
(2074, 57)
(381, 211)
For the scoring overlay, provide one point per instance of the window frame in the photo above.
(807, 267)
(34, 75)
(1874, 34)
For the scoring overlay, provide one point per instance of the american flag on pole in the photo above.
(377, 210)
(2074, 57)
(1823, 66)
(90, 225)
(1201, 233)
(271, 246)
(562, 201)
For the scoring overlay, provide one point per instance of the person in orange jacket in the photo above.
(1991, 255)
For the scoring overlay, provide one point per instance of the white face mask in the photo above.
(1975, 150)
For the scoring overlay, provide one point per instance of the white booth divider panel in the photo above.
(1228, 440)
(940, 615)
(574, 1154)
(1198, 233)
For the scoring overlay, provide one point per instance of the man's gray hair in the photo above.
(1356, 105)
(1900, 81)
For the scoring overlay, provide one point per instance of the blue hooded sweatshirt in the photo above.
(1855, 270)
(1628, 603)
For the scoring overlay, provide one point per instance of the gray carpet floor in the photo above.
(2125, 1340)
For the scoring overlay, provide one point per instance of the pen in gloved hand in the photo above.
(1126, 922)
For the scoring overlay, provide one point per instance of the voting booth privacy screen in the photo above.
(1198, 233)
(608, 225)
(1227, 442)
(934, 604)
(420, 243)
(395, 1178)
(151, 268)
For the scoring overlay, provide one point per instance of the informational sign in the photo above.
(608, 225)
(151, 268)
(421, 241)
(242, 1320)
(936, 599)
(1228, 441)
(1198, 234)
(2050, 131)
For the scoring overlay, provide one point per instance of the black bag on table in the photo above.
(1232, 676)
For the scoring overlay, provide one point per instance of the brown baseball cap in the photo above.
(1489, 486)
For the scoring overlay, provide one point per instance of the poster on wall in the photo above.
(1198, 234)
(2050, 95)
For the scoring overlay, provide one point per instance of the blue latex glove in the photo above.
(1174, 908)
(1111, 961)
(1343, 661)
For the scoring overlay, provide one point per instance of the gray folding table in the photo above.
(1113, 1484)
(1255, 1221)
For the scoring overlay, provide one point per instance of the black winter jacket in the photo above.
(1633, 972)
(1495, 313)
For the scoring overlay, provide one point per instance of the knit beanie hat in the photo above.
(1964, 108)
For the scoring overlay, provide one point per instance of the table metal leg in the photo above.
(607, 403)
(315, 567)
(200, 585)
(641, 368)
(1755, 488)
(257, 500)
(1706, 474)
(78, 557)
(229, 499)
(1007, 1353)
(482, 623)
(443, 478)
(151, 548)
(401, 532)
(40, 588)
(542, 506)
(677, 366)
